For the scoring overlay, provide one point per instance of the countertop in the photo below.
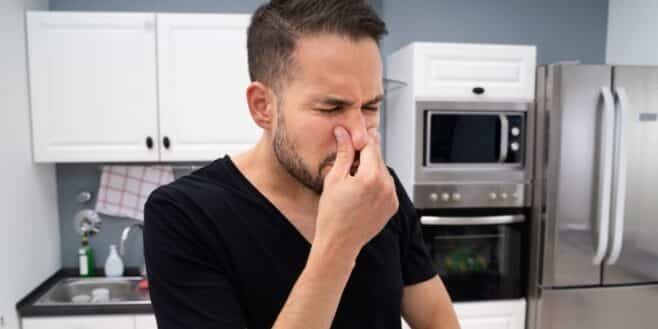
(26, 307)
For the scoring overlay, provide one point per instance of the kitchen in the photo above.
(44, 198)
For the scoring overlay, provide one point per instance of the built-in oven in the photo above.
(472, 178)
(479, 255)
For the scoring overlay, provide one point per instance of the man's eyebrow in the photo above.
(335, 101)
(339, 102)
(375, 100)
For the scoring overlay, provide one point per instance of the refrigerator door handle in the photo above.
(605, 175)
(504, 133)
(619, 178)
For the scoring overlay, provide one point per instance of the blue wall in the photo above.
(562, 30)
(196, 6)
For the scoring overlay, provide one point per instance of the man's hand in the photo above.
(355, 208)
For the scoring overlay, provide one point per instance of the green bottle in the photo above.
(86, 258)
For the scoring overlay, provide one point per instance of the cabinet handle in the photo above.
(478, 90)
(166, 142)
(149, 142)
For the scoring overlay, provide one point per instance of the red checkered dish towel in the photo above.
(124, 189)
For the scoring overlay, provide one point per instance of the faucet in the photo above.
(122, 248)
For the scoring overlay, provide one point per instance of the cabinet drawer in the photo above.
(81, 322)
(474, 72)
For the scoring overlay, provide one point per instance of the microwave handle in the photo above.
(475, 220)
(504, 133)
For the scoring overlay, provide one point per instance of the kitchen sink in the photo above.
(94, 291)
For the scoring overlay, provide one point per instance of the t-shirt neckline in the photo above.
(235, 171)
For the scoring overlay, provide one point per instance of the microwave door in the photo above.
(465, 138)
(578, 174)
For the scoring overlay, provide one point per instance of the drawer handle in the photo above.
(478, 90)
(166, 142)
(149, 142)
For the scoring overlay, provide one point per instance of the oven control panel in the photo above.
(471, 195)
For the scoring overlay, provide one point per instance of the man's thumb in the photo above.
(344, 152)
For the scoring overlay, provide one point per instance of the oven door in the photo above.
(478, 257)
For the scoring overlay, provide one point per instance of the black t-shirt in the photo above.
(220, 255)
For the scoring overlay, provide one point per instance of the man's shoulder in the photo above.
(201, 189)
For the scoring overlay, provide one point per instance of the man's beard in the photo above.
(285, 152)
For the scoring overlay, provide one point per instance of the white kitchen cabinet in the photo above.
(80, 322)
(103, 90)
(471, 72)
(507, 314)
(203, 76)
(92, 86)
(145, 321)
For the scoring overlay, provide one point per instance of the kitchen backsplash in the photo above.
(73, 179)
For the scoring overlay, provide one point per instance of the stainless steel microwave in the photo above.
(473, 154)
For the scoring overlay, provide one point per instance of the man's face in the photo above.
(336, 82)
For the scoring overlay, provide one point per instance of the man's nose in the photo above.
(356, 124)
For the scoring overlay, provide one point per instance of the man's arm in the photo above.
(352, 210)
(427, 305)
(314, 299)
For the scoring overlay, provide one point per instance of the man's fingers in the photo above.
(371, 156)
(344, 153)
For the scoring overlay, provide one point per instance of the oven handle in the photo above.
(474, 220)
(504, 133)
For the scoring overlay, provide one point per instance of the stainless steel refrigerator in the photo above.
(595, 238)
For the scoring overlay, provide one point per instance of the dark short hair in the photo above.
(276, 26)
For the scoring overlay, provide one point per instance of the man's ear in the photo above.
(261, 104)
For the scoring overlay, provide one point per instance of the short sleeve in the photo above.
(416, 262)
(188, 284)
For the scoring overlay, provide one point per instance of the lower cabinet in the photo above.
(145, 321)
(505, 314)
(142, 321)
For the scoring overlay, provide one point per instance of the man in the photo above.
(308, 229)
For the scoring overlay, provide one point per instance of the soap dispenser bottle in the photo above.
(86, 258)
(113, 264)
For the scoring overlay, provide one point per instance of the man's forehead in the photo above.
(341, 67)
(336, 54)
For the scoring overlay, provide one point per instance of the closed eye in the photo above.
(371, 108)
(334, 109)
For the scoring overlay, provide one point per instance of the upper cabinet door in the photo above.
(474, 72)
(93, 86)
(203, 76)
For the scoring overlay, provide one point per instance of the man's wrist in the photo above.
(326, 253)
